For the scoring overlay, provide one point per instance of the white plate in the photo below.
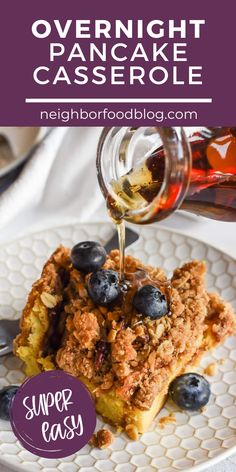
(197, 440)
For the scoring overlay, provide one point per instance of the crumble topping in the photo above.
(132, 353)
(123, 350)
(211, 369)
(165, 420)
(220, 313)
(102, 439)
(87, 330)
(132, 431)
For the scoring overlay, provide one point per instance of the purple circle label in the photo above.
(53, 414)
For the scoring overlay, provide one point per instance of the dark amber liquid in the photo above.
(212, 190)
(212, 182)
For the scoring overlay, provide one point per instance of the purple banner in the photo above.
(106, 63)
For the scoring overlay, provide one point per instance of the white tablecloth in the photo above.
(58, 186)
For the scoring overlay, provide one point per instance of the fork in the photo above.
(8, 331)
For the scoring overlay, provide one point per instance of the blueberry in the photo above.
(150, 301)
(88, 256)
(103, 286)
(6, 396)
(190, 391)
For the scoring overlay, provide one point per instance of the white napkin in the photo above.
(58, 185)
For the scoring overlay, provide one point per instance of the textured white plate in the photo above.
(197, 440)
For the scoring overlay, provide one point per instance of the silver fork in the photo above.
(10, 328)
(8, 331)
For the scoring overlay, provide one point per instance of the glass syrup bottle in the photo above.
(147, 173)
